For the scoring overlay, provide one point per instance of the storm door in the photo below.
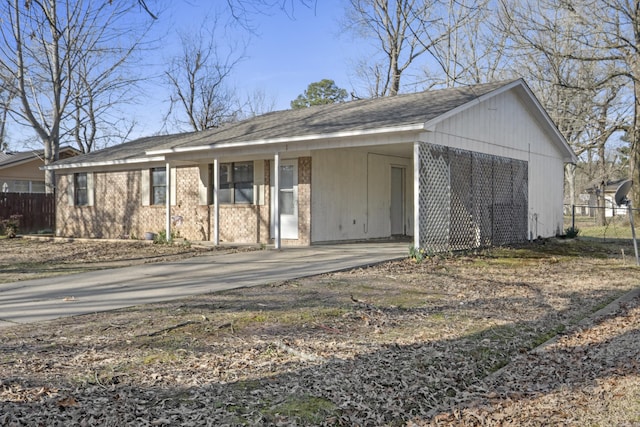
(288, 199)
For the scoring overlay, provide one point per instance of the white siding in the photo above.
(502, 126)
(351, 194)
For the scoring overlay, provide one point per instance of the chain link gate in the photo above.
(470, 200)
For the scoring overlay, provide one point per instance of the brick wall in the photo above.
(117, 211)
(304, 201)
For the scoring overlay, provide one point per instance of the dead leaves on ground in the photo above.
(396, 344)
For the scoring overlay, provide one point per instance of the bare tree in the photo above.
(244, 10)
(7, 94)
(47, 46)
(199, 81)
(471, 50)
(606, 33)
(404, 31)
(396, 28)
(258, 103)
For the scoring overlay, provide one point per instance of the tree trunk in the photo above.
(635, 148)
(570, 177)
(51, 154)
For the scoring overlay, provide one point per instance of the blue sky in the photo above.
(284, 54)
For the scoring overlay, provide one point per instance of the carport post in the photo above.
(168, 201)
(216, 202)
(416, 195)
(276, 200)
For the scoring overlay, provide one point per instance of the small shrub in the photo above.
(161, 237)
(10, 226)
(417, 254)
(571, 232)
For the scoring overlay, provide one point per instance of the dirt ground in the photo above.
(451, 341)
(26, 258)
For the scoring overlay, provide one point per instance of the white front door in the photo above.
(288, 199)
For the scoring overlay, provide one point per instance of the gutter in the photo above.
(284, 140)
(104, 163)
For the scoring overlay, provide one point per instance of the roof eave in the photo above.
(104, 163)
(284, 140)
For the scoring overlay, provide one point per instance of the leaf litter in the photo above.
(451, 341)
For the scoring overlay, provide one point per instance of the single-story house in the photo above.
(21, 172)
(450, 169)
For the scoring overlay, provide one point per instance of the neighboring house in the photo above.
(611, 208)
(20, 172)
(454, 168)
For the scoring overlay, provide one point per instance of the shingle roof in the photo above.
(360, 115)
(10, 158)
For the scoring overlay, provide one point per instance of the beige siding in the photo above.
(351, 194)
(502, 126)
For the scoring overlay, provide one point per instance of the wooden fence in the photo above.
(38, 210)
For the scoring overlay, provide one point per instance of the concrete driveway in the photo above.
(50, 298)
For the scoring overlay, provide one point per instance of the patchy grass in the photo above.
(448, 341)
(304, 410)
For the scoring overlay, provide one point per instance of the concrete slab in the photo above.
(54, 297)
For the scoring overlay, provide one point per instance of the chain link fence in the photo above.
(611, 220)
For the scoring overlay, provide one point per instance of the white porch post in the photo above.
(216, 203)
(276, 200)
(168, 184)
(416, 194)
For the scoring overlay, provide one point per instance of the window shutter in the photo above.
(203, 185)
(145, 189)
(172, 190)
(258, 182)
(71, 194)
(90, 191)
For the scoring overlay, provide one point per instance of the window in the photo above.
(37, 187)
(22, 186)
(236, 183)
(81, 193)
(158, 186)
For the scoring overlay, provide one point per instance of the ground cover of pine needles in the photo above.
(453, 340)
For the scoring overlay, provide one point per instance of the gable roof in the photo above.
(407, 112)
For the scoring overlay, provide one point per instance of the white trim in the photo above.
(168, 201)
(416, 195)
(216, 204)
(105, 163)
(276, 200)
(572, 156)
(258, 142)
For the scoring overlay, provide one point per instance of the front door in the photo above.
(397, 201)
(288, 199)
